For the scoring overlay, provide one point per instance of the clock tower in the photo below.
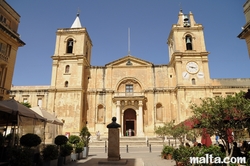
(187, 52)
(188, 59)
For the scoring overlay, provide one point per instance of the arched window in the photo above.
(188, 40)
(100, 114)
(70, 44)
(67, 69)
(159, 112)
(66, 84)
(193, 81)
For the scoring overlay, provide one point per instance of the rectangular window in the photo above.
(229, 93)
(25, 100)
(3, 48)
(217, 94)
(129, 88)
(39, 102)
(8, 50)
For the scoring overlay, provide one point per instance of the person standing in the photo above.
(217, 139)
(98, 135)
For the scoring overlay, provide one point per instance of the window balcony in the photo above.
(4, 57)
(128, 94)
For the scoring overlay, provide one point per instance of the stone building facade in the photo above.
(9, 43)
(142, 95)
(245, 33)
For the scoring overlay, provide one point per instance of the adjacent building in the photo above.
(245, 33)
(142, 95)
(9, 43)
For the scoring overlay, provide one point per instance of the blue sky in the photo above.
(107, 22)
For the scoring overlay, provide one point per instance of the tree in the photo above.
(221, 115)
(85, 135)
(176, 131)
(164, 130)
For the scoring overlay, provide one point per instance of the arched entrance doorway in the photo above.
(129, 123)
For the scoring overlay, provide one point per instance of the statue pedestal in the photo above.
(114, 157)
(113, 145)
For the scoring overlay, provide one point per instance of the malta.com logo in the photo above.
(209, 159)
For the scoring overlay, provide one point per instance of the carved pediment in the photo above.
(129, 61)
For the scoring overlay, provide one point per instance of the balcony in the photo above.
(4, 57)
(119, 96)
(128, 94)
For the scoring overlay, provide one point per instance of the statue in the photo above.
(113, 124)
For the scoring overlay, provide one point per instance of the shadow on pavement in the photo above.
(95, 162)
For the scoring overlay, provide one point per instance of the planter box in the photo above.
(74, 156)
(79, 157)
(60, 161)
(85, 152)
(67, 159)
(50, 162)
(179, 163)
(169, 157)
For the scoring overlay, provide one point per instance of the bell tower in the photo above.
(187, 52)
(70, 74)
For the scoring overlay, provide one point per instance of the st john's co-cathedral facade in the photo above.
(142, 95)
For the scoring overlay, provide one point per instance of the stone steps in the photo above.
(132, 142)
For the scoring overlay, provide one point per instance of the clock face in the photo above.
(200, 75)
(185, 75)
(192, 67)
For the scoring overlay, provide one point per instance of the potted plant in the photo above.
(20, 156)
(60, 140)
(65, 152)
(74, 139)
(50, 155)
(182, 155)
(85, 136)
(215, 151)
(79, 149)
(1, 147)
(30, 140)
(167, 152)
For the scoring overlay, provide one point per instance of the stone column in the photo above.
(122, 125)
(118, 112)
(140, 120)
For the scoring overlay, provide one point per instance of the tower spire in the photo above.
(78, 12)
(180, 8)
(77, 23)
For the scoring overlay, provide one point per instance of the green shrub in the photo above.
(183, 154)
(167, 150)
(66, 150)
(20, 156)
(30, 140)
(1, 139)
(50, 152)
(213, 150)
(79, 147)
(61, 140)
(74, 139)
(85, 135)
